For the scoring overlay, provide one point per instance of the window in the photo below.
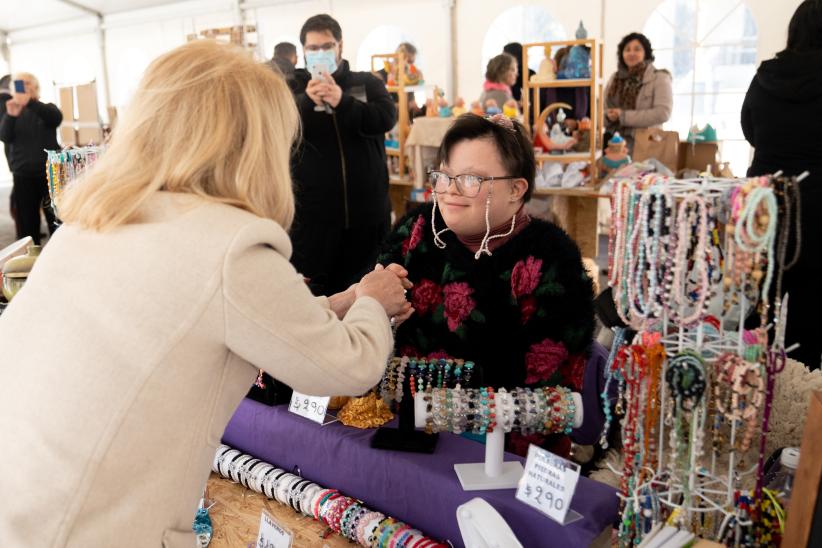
(522, 24)
(710, 48)
(385, 39)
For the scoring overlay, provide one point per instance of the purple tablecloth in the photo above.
(422, 490)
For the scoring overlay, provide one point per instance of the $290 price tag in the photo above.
(548, 483)
(310, 407)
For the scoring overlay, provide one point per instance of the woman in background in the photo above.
(783, 101)
(638, 95)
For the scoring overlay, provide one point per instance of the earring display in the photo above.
(689, 261)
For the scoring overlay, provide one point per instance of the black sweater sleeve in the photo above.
(374, 117)
(747, 115)
(7, 124)
(47, 112)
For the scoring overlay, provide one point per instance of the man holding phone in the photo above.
(340, 170)
(29, 127)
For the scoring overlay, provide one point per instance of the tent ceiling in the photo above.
(44, 12)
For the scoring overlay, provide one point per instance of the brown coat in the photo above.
(653, 104)
(127, 352)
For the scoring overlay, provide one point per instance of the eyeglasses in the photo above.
(322, 47)
(467, 185)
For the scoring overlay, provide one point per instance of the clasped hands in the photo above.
(387, 285)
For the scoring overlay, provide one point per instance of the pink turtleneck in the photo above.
(473, 242)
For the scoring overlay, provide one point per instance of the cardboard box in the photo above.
(698, 156)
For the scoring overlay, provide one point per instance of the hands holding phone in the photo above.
(324, 90)
(21, 98)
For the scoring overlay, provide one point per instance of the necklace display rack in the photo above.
(705, 491)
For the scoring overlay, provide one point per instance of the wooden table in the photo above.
(236, 519)
(576, 211)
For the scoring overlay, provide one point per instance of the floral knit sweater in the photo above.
(524, 315)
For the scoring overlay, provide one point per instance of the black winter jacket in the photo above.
(781, 114)
(340, 172)
(28, 135)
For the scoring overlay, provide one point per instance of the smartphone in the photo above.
(19, 86)
(318, 71)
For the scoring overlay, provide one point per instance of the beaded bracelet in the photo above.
(347, 516)
(400, 531)
(367, 526)
(325, 496)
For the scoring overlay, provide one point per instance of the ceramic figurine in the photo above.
(616, 154)
(547, 69)
(511, 109)
(557, 141)
(430, 108)
(459, 107)
(583, 135)
(577, 64)
(491, 107)
(476, 108)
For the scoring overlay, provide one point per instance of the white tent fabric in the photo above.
(43, 12)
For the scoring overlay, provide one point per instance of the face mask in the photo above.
(323, 59)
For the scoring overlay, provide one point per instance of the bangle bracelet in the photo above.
(395, 536)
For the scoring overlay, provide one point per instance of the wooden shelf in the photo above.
(562, 84)
(407, 89)
(576, 192)
(400, 181)
(563, 158)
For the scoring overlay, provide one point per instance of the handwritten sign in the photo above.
(310, 407)
(271, 535)
(548, 483)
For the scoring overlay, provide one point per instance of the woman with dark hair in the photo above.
(778, 114)
(491, 284)
(500, 75)
(638, 95)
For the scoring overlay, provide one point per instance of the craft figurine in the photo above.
(510, 109)
(616, 154)
(444, 108)
(430, 108)
(577, 64)
(476, 108)
(557, 141)
(583, 135)
(492, 107)
(459, 107)
(547, 69)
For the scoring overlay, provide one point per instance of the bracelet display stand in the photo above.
(494, 473)
(406, 437)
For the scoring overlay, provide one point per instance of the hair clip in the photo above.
(503, 121)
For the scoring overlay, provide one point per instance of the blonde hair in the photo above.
(206, 119)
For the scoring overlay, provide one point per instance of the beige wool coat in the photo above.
(653, 104)
(126, 353)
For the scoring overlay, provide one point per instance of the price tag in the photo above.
(310, 407)
(271, 534)
(548, 484)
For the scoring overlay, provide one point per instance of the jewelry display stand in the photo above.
(482, 527)
(406, 437)
(494, 473)
(695, 488)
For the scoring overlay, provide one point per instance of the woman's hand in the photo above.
(388, 289)
(341, 302)
(613, 114)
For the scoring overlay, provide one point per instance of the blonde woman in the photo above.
(144, 320)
